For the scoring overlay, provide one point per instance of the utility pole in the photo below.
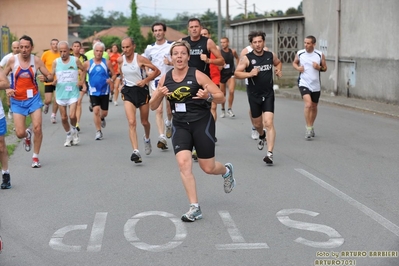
(227, 14)
(219, 20)
(245, 9)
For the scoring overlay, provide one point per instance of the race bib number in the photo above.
(180, 107)
(226, 66)
(29, 93)
(68, 88)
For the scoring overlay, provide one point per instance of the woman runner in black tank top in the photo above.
(189, 92)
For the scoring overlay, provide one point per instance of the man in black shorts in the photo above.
(257, 67)
(49, 87)
(227, 74)
(76, 46)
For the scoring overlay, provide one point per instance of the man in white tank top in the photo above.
(310, 62)
(135, 93)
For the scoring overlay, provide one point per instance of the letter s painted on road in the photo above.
(335, 238)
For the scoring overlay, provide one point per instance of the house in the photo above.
(121, 32)
(41, 20)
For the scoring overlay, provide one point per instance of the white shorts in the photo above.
(66, 102)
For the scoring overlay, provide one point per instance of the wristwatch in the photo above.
(210, 98)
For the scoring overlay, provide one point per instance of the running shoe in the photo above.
(136, 157)
(68, 141)
(223, 114)
(261, 141)
(103, 123)
(162, 144)
(99, 135)
(77, 126)
(268, 158)
(115, 103)
(254, 134)
(308, 133)
(6, 181)
(312, 134)
(147, 146)
(193, 214)
(229, 181)
(10, 115)
(45, 108)
(75, 137)
(194, 155)
(230, 113)
(53, 119)
(36, 163)
(168, 126)
(90, 108)
(27, 140)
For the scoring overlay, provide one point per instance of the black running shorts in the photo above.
(49, 88)
(199, 134)
(138, 96)
(102, 101)
(315, 96)
(260, 104)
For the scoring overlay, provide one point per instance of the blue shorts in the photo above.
(3, 126)
(26, 107)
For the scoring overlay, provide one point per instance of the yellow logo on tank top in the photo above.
(180, 94)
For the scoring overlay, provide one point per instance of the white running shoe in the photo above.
(68, 141)
(254, 134)
(162, 143)
(53, 119)
(223, 114)
(268, 159)
(147, 146)
(75, 137)
(230, 113)
(308, 134)
(261, 141)
(168, 126)
(99, 135)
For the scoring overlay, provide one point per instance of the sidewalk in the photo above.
(363, 105)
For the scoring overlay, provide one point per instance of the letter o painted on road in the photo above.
(129, 231)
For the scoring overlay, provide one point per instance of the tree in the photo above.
(134, 30)
(300, 8)
(110, 40)
(291, 11)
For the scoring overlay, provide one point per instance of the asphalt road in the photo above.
(332, 199)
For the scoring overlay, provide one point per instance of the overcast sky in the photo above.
(169, 8)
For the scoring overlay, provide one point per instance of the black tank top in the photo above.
(262, 84)
(229, 60)
(197, 48)
(182, 93)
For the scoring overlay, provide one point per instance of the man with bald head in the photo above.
(3, 63)
(67, 92)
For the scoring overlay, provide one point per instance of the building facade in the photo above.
(41, 20)
(360, 43)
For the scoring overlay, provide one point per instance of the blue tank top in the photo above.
(98, 75)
